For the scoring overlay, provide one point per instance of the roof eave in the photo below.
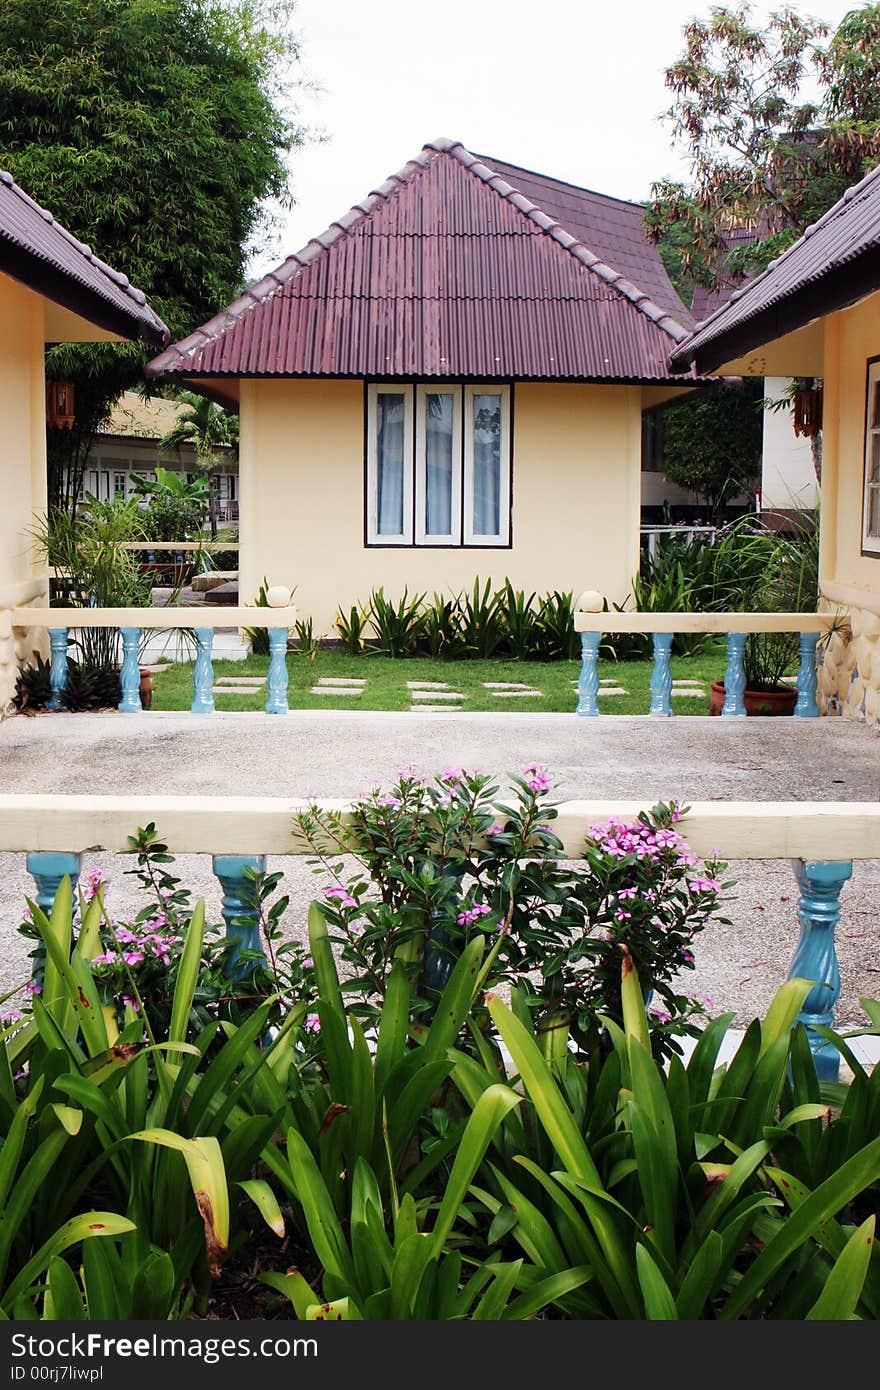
(50, 282)
(837, 289)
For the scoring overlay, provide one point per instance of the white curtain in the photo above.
(487, 465)
(438, 463)
(390, 422)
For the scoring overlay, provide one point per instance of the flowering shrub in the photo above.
(438, 859)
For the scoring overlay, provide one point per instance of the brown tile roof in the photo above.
(40, 253)
(835, 263)
(446, 270)
(613, 228)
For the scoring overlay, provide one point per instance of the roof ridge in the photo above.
(829, 215)
(273, 280)
(581, 252)
(116, 276)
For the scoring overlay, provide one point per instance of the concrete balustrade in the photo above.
(132, 623)
(592, 624)
(822, 839)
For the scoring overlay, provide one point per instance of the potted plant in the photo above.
(759, 570)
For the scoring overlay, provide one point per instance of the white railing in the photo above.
(822, 839)
(592, 623)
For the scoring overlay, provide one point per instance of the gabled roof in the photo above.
(41, 254)
(835, 263)
(447, 270)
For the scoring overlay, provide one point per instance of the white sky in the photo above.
(570, 87)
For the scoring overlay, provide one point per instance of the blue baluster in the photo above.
(130, 675)
(203, 673)
(588, 681)
(815, 958)
(241, 918)
(735, 677)
(661, 676)
(58, 668)
(47, 868)
(276, 683)
(806, 707)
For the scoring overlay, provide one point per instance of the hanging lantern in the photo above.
(59, 405)
(806, 406)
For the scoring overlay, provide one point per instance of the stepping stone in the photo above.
(253, 681)
(427, 685)
(516, 694)
(683, 694)
(346, 681)
(336, 690)
(436, 695)
(435, 709)
(613, 690)
(689, 682)
(506, 685)
(233, 690)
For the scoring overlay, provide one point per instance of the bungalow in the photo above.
(448, 382)
(53, 289)
(815, 312)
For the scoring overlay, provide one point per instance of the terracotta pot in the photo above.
(145, 689)
(780, 701)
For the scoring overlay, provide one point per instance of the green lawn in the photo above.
(386, 687)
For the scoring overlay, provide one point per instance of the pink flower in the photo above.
(340, 895)
(131, 1002)
(708, 1001)
(705, 885)
(628, 893)
(388, 801)
(166, 893)
(687, 957)
(106, 958)
(621, 916)
(496, 829)
(12, 1017)
(307, 962)
(94, 880)
(128, 938)
(133, 957)
(470, 915)
(32, 987)
(660, 1014)
(312, 1023)
(452, 776)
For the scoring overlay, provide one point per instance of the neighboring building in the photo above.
(816, 313)
(788, 476)
(448, 382)
(52, 289)
(129, 446)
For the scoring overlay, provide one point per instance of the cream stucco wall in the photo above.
(576, 495)
(22, 469)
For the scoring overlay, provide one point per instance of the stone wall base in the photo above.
(849, 670)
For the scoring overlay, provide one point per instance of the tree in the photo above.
(154, 130)
(213, 433)
(760, 154)
(712, 443)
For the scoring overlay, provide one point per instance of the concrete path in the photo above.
(343, 753)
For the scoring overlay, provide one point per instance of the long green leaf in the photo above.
(487, 1115)
(544, 1094)
(853, 1177)
(266, 1203)
(659, 1303)
(326, 974)
(86, 1226)
(207, 1175)
(187, 975)
(843, 1287)
(323, 1224)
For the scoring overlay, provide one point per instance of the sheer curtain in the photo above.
(487, 465)
(390, 423)
(438, 463)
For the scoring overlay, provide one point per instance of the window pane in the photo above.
(874, 414)
(438, 463)
(390, 421)
(487, 465)
(874, 512)
(874, 458)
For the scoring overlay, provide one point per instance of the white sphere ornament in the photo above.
(278, 596)
(590, 601)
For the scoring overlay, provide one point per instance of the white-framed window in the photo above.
(871, 499)
(438, 465)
